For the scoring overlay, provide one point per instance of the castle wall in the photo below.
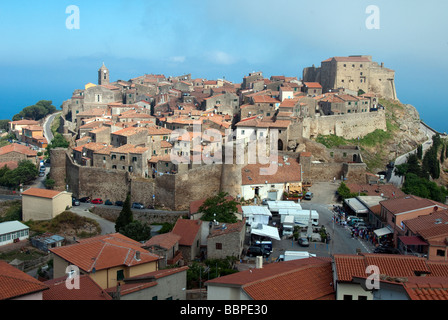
(348, 126)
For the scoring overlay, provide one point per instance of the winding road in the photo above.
(397, 180)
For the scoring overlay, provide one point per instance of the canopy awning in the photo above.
(265, 231)
(412, 241)
(383, 231)
(356, 205)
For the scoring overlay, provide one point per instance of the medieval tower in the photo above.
(103, 75)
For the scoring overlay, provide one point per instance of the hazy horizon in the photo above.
(42, 59)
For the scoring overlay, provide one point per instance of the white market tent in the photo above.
(265, 231)
(256, 214)
(275, 206)
(356, 205)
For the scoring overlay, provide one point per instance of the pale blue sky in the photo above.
(41, 59)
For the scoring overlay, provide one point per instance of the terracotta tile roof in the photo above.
(156, 130)
(264, 99)
(187, 229)
(10, 164)
(429, 225)
(88, 290)
(349, 266)
(230, 228)
(15, 283)
(129, 148)
(19, 148)
(427, 288)
(287, 171)
(313, 85)
(165, 240)
(438, 268)
(349, 59)
(303, 279)
(126, 132)
(24, 122)
(104, 252)
(388, 190)
(41, 193)
(408, 203)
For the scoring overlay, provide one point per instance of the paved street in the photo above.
(341, 240)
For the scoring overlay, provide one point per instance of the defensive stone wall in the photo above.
(348, 126)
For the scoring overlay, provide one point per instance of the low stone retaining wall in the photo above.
(148, 216)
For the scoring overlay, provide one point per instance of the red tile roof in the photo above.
(427, 288)
(41, 193)
(187, 229)
(409, 203)
(313, 85)
(287, 171)
(104, 252)
(88, 290)
(19, 148)
(15, 283)
(165, 240)
(349, 266)
(303, 279)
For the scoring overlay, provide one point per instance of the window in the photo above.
(154, 298)
(120, 275)
(348, 297)
(130, 168)
(113, 157)
(122, 158)
(362, 297)
(440, 253)
(344, 154)
(114, 167)
(218, 246)
(134, 159)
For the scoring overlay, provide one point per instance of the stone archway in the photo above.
(280, 145)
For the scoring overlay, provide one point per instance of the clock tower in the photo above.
(103, 75)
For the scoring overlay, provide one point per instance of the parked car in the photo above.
(108, 202)
(42, 169)
(119, 203)
(360, 224)
(151, 207)
(138, 205)
(353, 221)
(308, 196)
(266, 245)
(85, 199)
(303, 242)
(386, 249)
(75, 202)
(97, 201)
(255, 251)
(42, 174)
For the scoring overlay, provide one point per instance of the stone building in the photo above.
(226, 240)
(353, 73)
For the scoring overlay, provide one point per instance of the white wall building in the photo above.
(13, 231)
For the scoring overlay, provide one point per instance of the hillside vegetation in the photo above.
(379, 147)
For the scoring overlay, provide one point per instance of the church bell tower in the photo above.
(103, 75)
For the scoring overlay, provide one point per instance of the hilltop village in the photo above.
(122, 131)
(181, 149)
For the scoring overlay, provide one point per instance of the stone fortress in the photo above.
(121, 132)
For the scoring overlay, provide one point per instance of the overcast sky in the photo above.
(40, 58)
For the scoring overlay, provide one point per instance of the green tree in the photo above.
(220, 208)
(25, 172)
(420, 152)
(126, 216)
(137, 231)
(344, 192)
(36, 112)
